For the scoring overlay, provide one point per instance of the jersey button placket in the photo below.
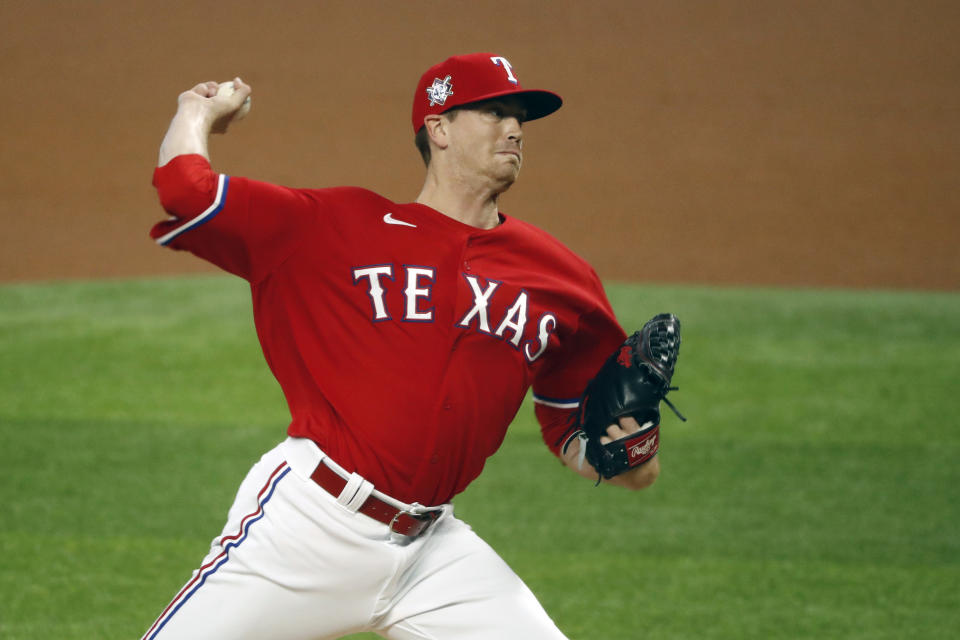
(466, 262)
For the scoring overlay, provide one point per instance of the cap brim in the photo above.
(538, 103)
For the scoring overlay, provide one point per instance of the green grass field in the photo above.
(814, 492)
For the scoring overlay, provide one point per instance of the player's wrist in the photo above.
(640, 477)
(189, 132)
(195, 115)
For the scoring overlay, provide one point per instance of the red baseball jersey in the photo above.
(404, 341)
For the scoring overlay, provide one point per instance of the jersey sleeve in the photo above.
(243, 226)
(565, 373)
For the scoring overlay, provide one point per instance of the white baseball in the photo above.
(227, 89)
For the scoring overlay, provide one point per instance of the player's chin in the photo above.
(508, 172)
(505, 182)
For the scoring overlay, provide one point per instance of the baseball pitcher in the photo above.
(404, 337)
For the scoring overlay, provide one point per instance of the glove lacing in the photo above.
(670, 404)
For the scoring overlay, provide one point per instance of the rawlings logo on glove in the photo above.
(641, 449)
(632, 382)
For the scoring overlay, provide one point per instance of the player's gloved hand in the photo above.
(636, 478)
(630, 384)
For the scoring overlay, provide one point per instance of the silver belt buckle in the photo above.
(423, 515)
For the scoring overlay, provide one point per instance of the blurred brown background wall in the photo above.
(776, 142)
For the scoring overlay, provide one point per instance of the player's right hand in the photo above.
(215, 111)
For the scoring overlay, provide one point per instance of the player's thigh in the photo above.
(462, 589)
(516, 618)
(285, 567)
(244, 607)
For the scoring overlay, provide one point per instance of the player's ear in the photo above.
(437, 130)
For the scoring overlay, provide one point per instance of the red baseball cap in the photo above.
(461, 80)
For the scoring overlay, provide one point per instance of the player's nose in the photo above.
(514, 132)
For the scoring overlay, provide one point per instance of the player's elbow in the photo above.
(186, 186)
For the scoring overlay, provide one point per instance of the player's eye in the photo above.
(500, 112)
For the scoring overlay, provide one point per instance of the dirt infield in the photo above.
(742, 142)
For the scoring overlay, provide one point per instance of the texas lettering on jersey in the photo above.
(418, 281)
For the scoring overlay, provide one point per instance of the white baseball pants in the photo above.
(292, 563)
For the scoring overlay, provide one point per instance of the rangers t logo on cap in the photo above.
(439, 91)
(480, 76)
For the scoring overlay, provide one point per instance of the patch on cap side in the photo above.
(439, 91)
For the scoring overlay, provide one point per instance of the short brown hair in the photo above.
(422, 139)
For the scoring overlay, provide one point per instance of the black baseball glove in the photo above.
(632, 382)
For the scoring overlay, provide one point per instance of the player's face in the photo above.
(488, 140)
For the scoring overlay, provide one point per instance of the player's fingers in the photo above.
(614, 432)
(629, 424)
(242, 88)
(230, 96)
(198, 92)
(207, 89)
(625, 426)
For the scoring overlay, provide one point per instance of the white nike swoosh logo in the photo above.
(389, 219)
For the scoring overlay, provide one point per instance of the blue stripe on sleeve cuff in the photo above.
(223, 182)
(557, 403)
